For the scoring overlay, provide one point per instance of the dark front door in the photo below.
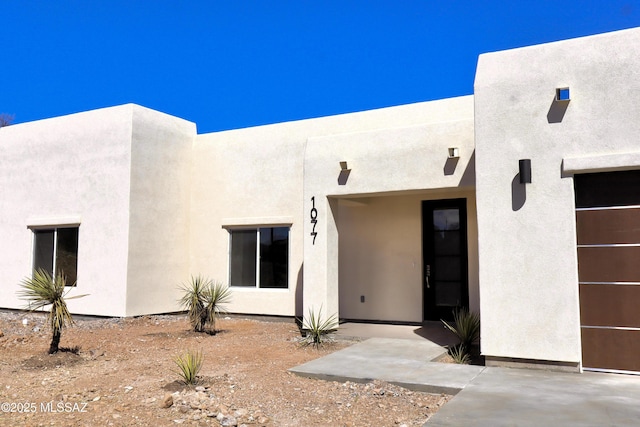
(444, 248)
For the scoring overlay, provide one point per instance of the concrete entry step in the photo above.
(428, 330)
(407, 363)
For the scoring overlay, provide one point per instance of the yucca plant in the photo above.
(466, 326)
(460, 354)
(218, 295)
(194, 301)
(42, 290)
(189, 365)
(204, 300)
(316, 327)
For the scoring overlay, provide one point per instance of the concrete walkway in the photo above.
(486, 396)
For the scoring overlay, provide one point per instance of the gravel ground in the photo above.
(124, 375)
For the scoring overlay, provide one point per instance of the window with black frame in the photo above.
(56, 251)
(260, 257)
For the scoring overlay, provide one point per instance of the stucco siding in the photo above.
(257, 176)
(527, 254)
(158, 259)
(69, 169)
(381, 161)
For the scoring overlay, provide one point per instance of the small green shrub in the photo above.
(189, 365)
(204, 300)
(315, 327)
(459, 354)
(466, 326)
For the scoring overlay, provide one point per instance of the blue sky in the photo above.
(232, 64)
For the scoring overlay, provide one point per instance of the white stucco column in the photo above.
(320, 276)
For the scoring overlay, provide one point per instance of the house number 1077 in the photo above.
(314, 219)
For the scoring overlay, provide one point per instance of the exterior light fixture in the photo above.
(454, 153)
(525, 171)
(563, 94)
(344, 173)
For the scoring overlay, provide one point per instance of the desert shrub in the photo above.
(204, 300)
(460, 354)
(466, 326)
(316, 327)
(42, 290)
(189, 365)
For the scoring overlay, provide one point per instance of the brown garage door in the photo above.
(608, 230)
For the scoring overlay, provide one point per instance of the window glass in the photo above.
(274, 257)
(243, 257)
(43, 250)
(67, 254)
(446, 219)
(56, 251)
(269, 245)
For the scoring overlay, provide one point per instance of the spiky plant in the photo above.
(194, 301)
(189, 364)
(204, 300)
(42, 290)
(316, 327)
(218, 295)
(466, 326)
(460, 354)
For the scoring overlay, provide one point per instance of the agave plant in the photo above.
(203, 299)
(42, 290)
(316, 327)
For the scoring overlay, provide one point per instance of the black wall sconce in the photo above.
(525, 171)
(344, 173)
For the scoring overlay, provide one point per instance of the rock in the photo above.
(262, 420)
(200, 388)
(228, 421)
(241, 413)
(167, 401)
(96, 353)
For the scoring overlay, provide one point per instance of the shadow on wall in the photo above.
(299, 294)
(344, 176)
(450, 165)
(557, 111)
(518, 193)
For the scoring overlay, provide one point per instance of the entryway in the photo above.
(445, 264)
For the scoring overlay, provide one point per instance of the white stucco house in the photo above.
(521, 202)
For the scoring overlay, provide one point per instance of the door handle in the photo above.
(427, 275)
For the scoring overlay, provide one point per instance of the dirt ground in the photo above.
(124, 375)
